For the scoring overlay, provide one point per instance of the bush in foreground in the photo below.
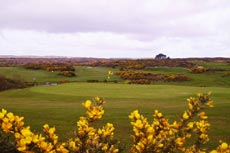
(158, 136)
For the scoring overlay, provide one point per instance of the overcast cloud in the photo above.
(115, 28)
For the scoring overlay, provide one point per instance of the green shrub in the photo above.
(6, 83)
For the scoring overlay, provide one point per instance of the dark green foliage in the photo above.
(93, 81)
(161, 56)
(7, 146)
(144, 63)
(6, 83)
(50, 66)
(226, 74)
(67, 73)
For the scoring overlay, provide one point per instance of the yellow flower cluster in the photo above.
(26, 140)
(155, 137)
(158, 136)
(161, 136)
(94, 108)
(90, 139)
(110, 73)
(222, 148)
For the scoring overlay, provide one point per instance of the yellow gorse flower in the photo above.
(94, 108)
(157, 136)
(87, 104)
(161, 136)
(185, 116)
(203, 116)
(110, 73)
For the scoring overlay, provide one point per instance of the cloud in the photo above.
(130, 28)
(107, 45)
(100, 44)
(121, 16)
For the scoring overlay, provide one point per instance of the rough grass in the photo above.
(83, 74)
(60, 106)
(30, 75)
(206, 79)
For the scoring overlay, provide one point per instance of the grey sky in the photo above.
(115, 28)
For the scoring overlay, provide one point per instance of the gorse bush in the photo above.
(157, 136)
(49, 66)
(67, 73)
(128, 64)
(161, 136)
(6, 83)
(199, 69)
(136, 77)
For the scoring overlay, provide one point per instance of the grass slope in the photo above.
(203, 80)
(60, 106)
(82, 74)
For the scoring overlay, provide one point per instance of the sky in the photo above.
(115, 28)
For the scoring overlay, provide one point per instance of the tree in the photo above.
(161, 56)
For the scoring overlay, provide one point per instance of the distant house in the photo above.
(161, 56)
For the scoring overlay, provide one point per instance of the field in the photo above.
(83, 74)
(61, 105)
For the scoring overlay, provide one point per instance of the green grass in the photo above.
(94, 73)
(60, 106)
(30, 75)
(83, 74)
(100, 73)
(213, 65)
(206, 79)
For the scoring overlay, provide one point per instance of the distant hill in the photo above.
(9, 60)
